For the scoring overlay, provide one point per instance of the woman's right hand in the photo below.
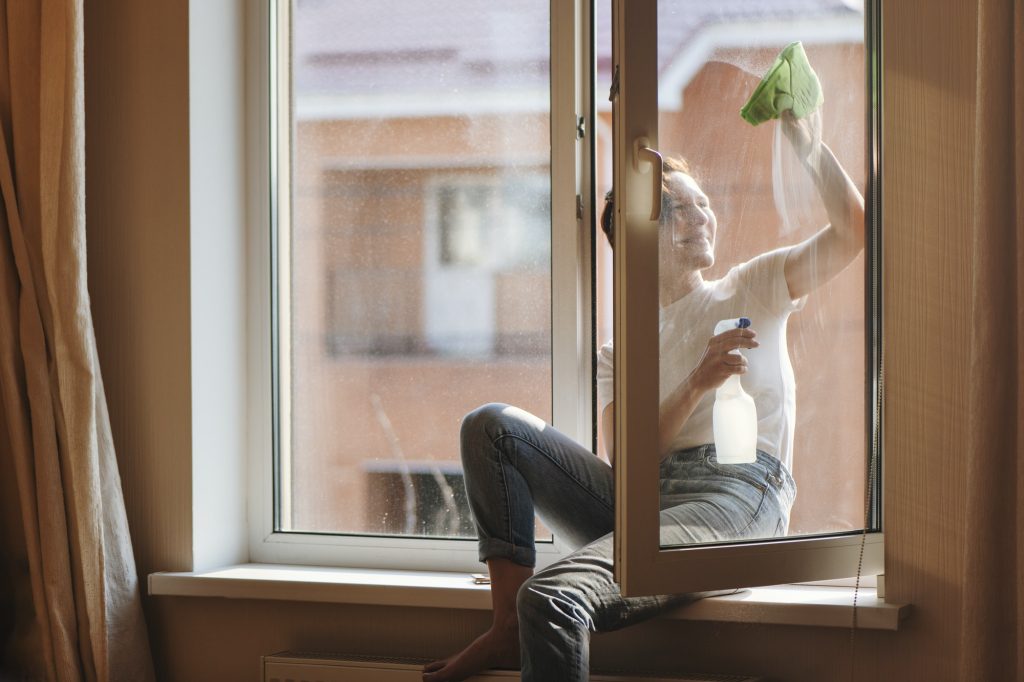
(719, 362)
(803, 133)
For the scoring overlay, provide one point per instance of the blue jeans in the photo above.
(516, 466)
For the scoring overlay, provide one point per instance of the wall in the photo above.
(137, 213)
(138, 199)
(929, 135)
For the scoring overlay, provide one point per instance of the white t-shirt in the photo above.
(756, 289)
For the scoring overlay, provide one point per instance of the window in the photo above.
(487, 266)
(477, 244)
(434, 176)
(417, 240)
(681, 95)
(502, 222)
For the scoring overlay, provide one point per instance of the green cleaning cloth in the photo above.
(789, 84)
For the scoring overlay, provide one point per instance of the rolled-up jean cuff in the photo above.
(492, 548)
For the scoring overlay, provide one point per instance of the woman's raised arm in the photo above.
(818, 259)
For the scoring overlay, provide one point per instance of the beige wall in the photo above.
(137, 94)
(137, 208)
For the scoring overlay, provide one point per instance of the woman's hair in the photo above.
(672, 164)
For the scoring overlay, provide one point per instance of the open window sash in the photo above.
(642, 566)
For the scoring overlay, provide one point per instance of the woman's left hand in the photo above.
(803, 133)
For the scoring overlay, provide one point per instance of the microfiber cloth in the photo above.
(789, 84)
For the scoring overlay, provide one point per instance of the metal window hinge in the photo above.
(581, 127)
(613, 91)
(579, 207)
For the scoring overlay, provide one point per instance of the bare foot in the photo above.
(498, 647)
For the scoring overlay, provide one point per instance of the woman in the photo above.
(516, 465)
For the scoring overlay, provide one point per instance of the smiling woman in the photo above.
(686, 241)
(767, 289)
(517, 466)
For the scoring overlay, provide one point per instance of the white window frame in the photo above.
(572, 324)
(642, 567)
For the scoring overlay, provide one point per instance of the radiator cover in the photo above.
(298, 666)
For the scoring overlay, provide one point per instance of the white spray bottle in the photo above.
(734, 415)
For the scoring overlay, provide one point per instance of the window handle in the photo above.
(642, 156)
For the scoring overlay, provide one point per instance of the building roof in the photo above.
(446, 47)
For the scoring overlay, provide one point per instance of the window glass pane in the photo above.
(746, 195)
(603, 287)
(418, 285)
(754, 198)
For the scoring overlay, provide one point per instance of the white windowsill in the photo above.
(811, 605)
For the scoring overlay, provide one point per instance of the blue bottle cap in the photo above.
(743, 323)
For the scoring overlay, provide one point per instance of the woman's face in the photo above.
(688, 225)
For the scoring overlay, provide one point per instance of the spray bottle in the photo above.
(734, 415)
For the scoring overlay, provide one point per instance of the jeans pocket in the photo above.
(758, 510)
(755, 473)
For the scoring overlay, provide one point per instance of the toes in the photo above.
(434, 675)
(434, 666)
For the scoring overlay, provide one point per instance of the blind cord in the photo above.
(871, 480)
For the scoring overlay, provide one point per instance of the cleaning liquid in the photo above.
(734, 415)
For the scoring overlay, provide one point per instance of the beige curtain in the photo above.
(77, 613)
(992, 627)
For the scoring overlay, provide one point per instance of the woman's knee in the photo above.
(532, 606)
(545, 600)
(478, 432)
(482, 416)
(493, 420)
(479, 423)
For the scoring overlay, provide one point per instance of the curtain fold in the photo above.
(72, 551)
(992, 627)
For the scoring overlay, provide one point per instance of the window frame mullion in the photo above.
(572, 314)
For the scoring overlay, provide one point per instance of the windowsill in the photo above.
(810, 605)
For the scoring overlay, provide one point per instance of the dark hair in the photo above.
(608, 217)
(672, 164)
